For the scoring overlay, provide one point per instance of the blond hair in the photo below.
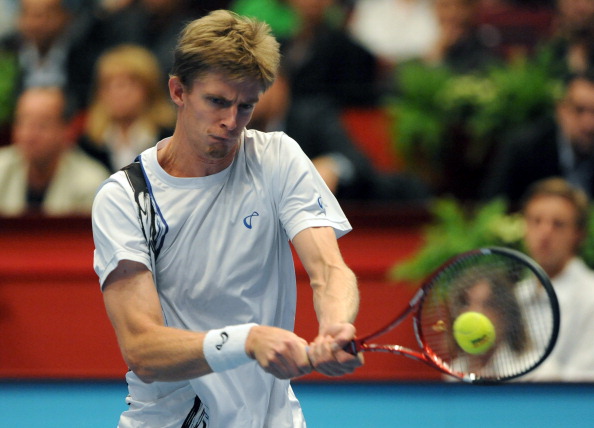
(222, 41)
(556, 186)
(142, 65)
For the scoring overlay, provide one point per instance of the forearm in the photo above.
(165, 354)
(336, 296)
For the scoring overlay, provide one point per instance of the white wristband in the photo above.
(224, 348)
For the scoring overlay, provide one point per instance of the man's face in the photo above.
(124, 96)
(552, 235)
(576, 14)
(39, 130)
(41, 21)
(575, 114)
(212, 116)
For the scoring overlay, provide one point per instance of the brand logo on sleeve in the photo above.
(321, 205)
(247, 221)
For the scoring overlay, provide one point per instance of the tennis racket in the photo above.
(506, 286)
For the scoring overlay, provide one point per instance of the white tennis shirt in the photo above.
(225, 260)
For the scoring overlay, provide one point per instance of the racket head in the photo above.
(512, 291)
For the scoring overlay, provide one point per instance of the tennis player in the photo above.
(193, 255)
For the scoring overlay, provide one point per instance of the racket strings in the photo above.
(510, 294)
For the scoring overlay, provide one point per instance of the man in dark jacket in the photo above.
(559, 146)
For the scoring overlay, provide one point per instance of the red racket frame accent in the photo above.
(425, 354)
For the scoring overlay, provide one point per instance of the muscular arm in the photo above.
(153, 351)
(156, 352)
(336, 299)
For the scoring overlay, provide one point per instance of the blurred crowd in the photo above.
(83, 88)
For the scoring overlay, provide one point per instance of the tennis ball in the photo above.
(474, 332)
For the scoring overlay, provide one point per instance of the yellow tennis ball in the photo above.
(474, 332)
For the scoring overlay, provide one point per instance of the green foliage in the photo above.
(455, 230)
(587, 250)
(8, 78)
(435, 105)
(521, 91)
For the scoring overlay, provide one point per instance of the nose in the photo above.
(229, 118)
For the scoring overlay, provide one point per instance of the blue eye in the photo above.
(216, 101)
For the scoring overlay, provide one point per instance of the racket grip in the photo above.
(351, 347)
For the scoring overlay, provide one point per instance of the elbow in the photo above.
(137, 364)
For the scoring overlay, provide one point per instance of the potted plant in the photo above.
(456, 228)
(446, 125)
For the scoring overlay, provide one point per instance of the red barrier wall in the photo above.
(53, 324)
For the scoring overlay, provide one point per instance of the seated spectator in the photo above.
(347, 171)
(571, 48)
(7, 18)
(153, 24)
(323, 71)
(394, 30)
(459, 44)
(130, 110)
(42, 171)
(52, 47)
(556, 216)
(562, 145)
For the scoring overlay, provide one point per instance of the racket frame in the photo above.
(426, 354)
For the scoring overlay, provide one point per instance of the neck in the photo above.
(41, 173)
(180, 160)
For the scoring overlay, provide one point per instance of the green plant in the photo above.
(436, 106)
(456, 228)
(587, 250)
(8, 78)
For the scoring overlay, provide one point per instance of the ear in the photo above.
(176, 90)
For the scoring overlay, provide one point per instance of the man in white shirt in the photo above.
(42, 171)
(193, 251)
(556, 215)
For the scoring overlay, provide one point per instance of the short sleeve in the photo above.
(302, 196)
(116, 229)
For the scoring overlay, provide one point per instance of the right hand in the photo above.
(279, 352)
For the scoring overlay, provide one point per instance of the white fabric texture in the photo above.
(226, 260)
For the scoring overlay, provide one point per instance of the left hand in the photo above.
(326, 353)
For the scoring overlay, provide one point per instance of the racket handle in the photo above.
(351, 347)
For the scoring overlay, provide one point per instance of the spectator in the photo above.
(52, 47)
(153, 24)
(562, 145)
(130, 110)
(41, 171)
(459, 44)
(493, 297)
(394, 30)
(571, 48)
(324, 71)
(556, 215)
(7, 18)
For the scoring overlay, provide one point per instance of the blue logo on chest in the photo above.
(247, 221)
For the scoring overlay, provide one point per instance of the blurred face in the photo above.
(552, 236)
(311, 10)
(480, 298)
(39, 130)
(576, 13)
(41, 21)
(576, 116)
(213, 115)
(124, 96)
(455, 13)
